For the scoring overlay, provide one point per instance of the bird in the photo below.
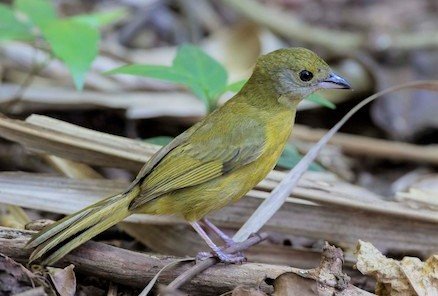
(213, 163)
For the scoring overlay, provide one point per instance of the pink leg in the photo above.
(223, 236)
(224, 257)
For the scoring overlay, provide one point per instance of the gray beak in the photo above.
(334, 81)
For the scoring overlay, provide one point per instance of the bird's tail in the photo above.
(59, 238)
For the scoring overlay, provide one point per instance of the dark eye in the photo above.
(306, 75)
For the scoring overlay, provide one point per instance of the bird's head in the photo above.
(296, 73)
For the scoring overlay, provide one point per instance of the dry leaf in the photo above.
(64, 280)
(407, 277)
(14, 277)
(326, 280)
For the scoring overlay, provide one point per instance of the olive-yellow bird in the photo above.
(213, 163)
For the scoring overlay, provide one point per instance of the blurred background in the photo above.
(388, 149)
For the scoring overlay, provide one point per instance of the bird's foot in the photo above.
(222, 256)
(236, 258)
(230, 243)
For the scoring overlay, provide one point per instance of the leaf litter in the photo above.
(407, 277)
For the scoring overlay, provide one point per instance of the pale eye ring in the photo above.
(306, 75)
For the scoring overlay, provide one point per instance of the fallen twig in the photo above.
(135, 269)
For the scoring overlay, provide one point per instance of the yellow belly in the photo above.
(195, 202)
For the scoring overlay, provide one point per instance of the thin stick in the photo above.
(279, 195)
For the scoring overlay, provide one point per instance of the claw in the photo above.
(222, 256)
(230, 243)
(237, 258)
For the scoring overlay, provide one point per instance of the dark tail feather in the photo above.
(58, 239)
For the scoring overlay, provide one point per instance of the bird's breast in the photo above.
(278, 131)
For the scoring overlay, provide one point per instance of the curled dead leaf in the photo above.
(64, 280)
(327, 279)
(407, 277)
(15, 278)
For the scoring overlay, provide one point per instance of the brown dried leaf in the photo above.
(407, 277)
(326, 280)
(64, 280)
(14, 277)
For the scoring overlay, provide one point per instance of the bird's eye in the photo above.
(306, 75)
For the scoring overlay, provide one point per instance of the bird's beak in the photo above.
(334, 81)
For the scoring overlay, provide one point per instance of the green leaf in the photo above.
(39, 12)
(75, 43)
(207, 74)
(290, 158)
(11, 27)
(320, 100)
(160, 140)
(101, 19)
(158, 72)
(192, 67)
(236, 86)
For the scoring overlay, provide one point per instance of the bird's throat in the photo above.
(289, 101)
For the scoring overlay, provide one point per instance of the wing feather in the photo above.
(200, 158)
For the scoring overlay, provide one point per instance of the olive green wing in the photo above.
(160, 154)
(202, 157)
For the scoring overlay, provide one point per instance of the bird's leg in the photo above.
(224, 257)
(223, 236)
